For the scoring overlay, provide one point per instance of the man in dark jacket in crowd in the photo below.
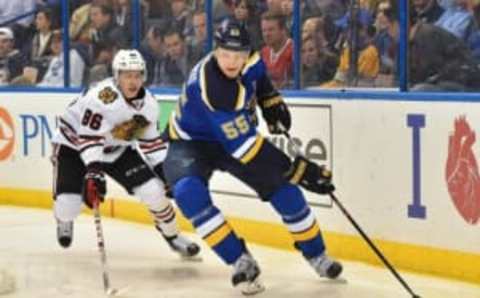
(427, 11)
(440, 62)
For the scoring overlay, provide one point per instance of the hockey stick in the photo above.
(92, 191)
(360, 230)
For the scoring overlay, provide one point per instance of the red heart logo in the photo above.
(461, 173)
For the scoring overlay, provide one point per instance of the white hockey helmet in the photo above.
(128, 60)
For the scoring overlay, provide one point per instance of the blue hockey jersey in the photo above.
(213, 107)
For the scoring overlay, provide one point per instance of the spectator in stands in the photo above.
(124, 16)
(439, 61)
(54, 77)
(157, 9)
(41, 40)
(287, 11)
(12, 9)
(152, 50)
(12, 61)
(331, 8)
(177, 63)
(80, 23)
(458, 20)
(309, 26)
(428, 11)
(181, 17)
(474, 39)
(39, 49)
(318, 64)
(246, 13)
(102, 58)
(322, 29)
(278, 50)
(104, 28)
(197, 42)
(368, 63)
(222, 9)
(275, 7)
(386, 36)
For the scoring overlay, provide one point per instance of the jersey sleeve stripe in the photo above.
(171, 130)
(241, 97)
(150, 140)
(67, 134)
(90, 138)
(85, 148)
(253, 150)
(68, 125)
(175, 131)
(151, 145)
(299, 171)
(244, 147)
(252, 60)
(84, 141)
(154, 150)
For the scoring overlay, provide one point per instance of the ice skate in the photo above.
(64, 233)
(246, 275)
(326, 267)
(186, 248)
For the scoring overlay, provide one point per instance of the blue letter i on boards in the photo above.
(416, 209)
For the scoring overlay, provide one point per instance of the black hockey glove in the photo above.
(276, 114)
(310, 176)
(94, 186)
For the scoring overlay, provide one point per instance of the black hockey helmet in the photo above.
(232, 35)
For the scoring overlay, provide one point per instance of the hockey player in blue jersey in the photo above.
(213, 129)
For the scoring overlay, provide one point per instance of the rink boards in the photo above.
(406, 170)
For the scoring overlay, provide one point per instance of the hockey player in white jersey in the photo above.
(104, 131)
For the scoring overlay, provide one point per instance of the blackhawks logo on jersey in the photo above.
(107, 95)
(131, 129)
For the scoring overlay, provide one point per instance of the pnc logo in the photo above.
(461, 173)
(7, 134)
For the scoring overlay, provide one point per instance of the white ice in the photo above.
(140, 259)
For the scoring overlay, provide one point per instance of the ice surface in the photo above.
(140, 259)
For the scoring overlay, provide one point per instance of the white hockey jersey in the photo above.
(101, 124)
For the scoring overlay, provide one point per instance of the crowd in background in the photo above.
(337, 50)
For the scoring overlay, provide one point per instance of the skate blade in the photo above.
(111, 292)
(251, 288)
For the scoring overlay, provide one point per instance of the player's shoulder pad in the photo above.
(151, 103)
(219, 92)
(254, 65)
(107, 95)
(105, 92)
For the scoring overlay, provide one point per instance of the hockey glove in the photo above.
(310, 176)
(94, 187)
(276, 114)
